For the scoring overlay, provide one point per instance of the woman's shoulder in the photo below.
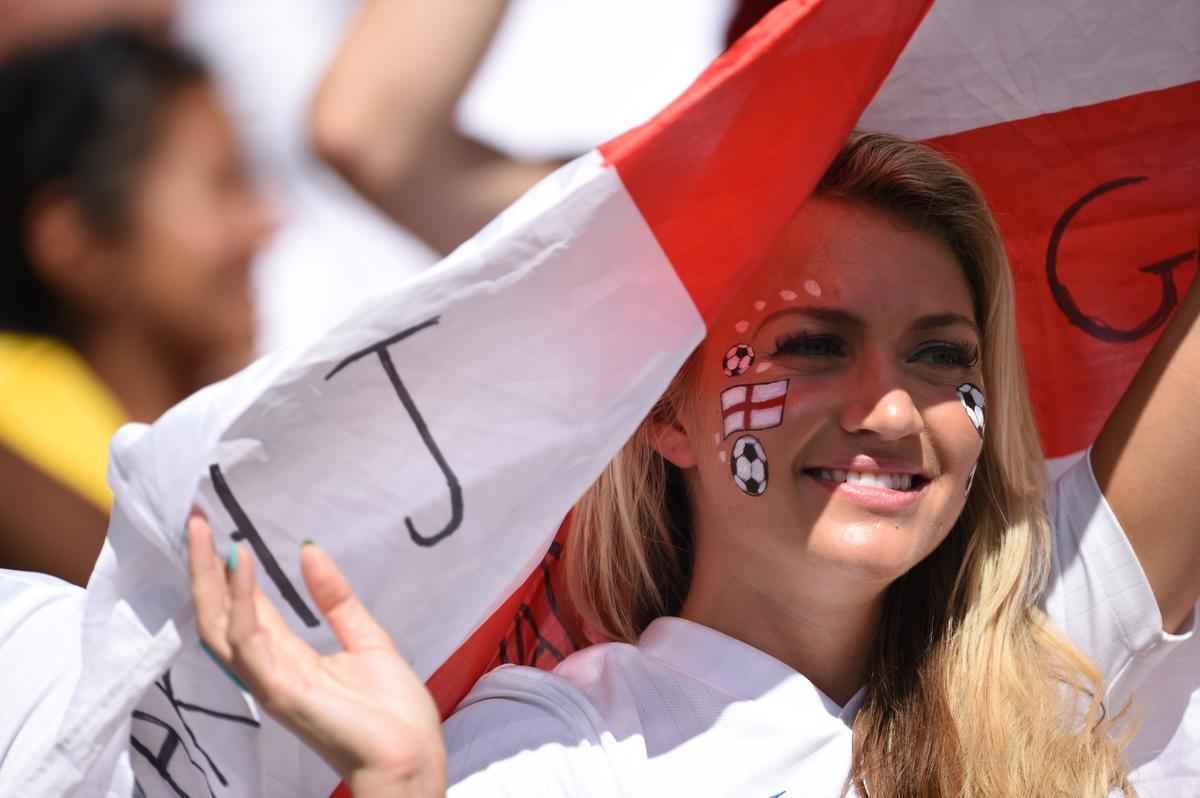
(522, 730)
(572, 692)
(1098, 593)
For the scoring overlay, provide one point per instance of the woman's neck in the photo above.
(816, 624)
(145, 377)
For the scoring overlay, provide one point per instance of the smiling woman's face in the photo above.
(829, 421)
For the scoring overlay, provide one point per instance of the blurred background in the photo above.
(187, 184)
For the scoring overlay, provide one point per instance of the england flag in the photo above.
(435, 442)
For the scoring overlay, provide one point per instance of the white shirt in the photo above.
(41, 635)
(690, 711)
(1100, 596)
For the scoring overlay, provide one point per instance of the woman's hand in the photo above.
(363, 709)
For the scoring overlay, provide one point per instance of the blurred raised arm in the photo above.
(383, 117)
(1147, 461)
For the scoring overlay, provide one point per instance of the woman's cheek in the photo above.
(747, 410)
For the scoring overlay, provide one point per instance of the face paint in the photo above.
(738, 360)
(787, 296)
(722, 456)
(812, 287)
(973, 402)
(763, 366)
(758, 406)
(742, 326)
(970, 480)
(760, 304)
(749, 466)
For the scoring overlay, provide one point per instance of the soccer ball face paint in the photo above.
(738, 360)
(748, 466)
(973, 402)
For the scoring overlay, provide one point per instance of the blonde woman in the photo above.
(827, 562)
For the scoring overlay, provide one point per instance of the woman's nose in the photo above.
(881, 405)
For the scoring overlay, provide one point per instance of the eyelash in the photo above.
(956, 355)
(961, 356)
(806, 344)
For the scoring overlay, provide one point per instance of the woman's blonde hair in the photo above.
(970, 691)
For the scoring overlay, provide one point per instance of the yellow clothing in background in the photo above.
(56, 414)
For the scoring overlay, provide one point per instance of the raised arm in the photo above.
(384, 118)
(1147, 461)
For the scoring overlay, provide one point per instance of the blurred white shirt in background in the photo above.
(562, 76)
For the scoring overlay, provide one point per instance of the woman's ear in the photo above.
(670, 440)
(62, 249)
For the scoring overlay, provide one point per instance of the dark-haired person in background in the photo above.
(127, 225)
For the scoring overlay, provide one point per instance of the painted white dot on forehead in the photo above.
(742, 326)
(763, 366)
(812, 287)
(787, 295)
(760, 304)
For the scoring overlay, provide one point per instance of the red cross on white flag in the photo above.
(753, 406)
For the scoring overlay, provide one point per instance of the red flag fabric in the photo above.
(1100, 211)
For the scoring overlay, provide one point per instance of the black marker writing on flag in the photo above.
(380, 350)
(524, 618)
(246, 531)
(173, 743)
(1093, 325)
(160, 760)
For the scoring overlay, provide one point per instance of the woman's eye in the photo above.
(808, 345)
(947, 355)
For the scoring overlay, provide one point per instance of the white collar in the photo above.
(739, 670)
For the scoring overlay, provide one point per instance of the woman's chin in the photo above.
(877, 550)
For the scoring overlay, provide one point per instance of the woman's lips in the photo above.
(871, 497)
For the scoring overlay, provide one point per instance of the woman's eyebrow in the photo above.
(937, 320)
(832, 316)
(838, 317)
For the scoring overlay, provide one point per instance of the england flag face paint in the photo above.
(747, 407)
(973, 402)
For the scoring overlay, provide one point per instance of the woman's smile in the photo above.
(878, 491)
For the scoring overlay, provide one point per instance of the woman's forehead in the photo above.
(856, 258)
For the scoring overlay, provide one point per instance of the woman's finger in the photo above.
(350, 621)
(252, 658)
(209, 591)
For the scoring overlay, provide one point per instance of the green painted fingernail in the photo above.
(231, 561)
(307, 542)
(221, 665)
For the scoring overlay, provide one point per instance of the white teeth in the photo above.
(873, 478)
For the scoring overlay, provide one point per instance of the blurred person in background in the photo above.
(384, 119)
(27, 23)
(389, 132)
(332, 249)
(442, 114)
(129, 225)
